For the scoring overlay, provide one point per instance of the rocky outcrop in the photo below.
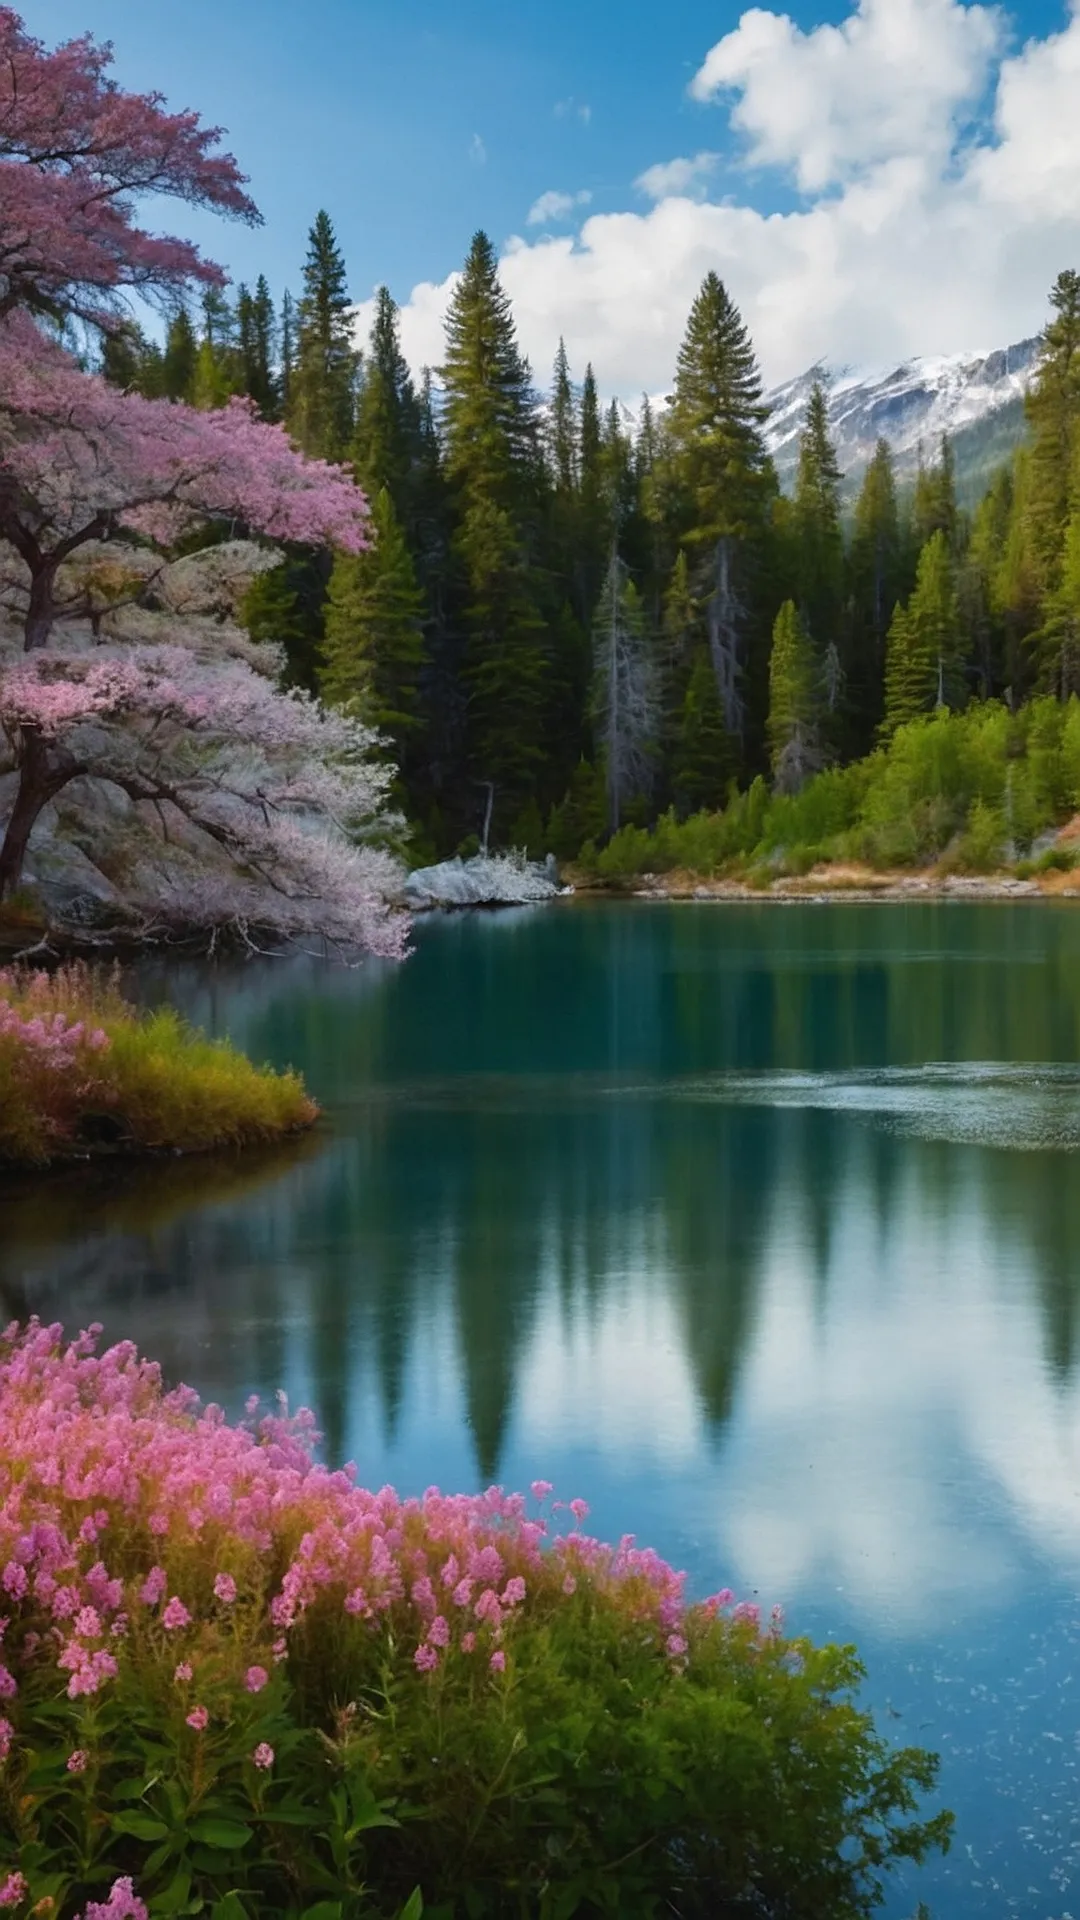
(487, 880)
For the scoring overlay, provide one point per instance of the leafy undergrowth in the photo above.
(81, 1070)
(237, 1683)
(976, 792)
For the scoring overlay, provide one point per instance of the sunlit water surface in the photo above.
(755, 1226)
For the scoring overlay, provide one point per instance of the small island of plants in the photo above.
(235, 1682)
(83, 1072)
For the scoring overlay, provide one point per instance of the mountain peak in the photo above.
(976, 398)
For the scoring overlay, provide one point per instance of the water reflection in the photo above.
(755, 1226)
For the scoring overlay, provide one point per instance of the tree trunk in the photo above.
(38, 782)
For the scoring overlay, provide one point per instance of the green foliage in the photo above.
(794, 702)
(148, 1084)
(373, 652)
(321, 387)
(977, 786)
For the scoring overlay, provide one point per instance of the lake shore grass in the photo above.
(842, 882)
(84, 1074)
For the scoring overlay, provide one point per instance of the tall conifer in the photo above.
(321, 395)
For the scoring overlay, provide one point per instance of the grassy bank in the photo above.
(975, 793)
(237, 1684)
(82, 1072)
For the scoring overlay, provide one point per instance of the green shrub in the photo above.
(239, 1685)
(81, 1069)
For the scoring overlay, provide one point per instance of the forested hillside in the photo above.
(587, 617)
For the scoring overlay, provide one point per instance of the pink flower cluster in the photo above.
(52, 1039)
(101, 1467)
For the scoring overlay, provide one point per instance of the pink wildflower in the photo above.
(747, 1613)
(88, 1624)
(183, 1673)
(176, 1614)
(497, 1663)
(263, 1755)
(426, 1659)
(14, 1580)
(487, 1607)
(439, 1632)
(152, 1587)
(676, 1645)
(357, 1601)
(279, 1650)
(255, 1679)
(122, 1904)
(9, 1686)
(76, 1762)
(7, 1732)
(540, 1489)
(580, 1510)
(13, 1891)
(198, 1718)
(462, 1593)
(514, 1592)
(468, 1642)
(225, 1589)
(569, 1585)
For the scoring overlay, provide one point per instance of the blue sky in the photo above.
(415, 123)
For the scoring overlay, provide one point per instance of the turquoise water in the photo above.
(758, 1227)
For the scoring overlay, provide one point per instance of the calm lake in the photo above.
(757, 1227)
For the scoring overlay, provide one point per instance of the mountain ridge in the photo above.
(976, 398)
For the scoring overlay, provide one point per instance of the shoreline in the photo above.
(834, 886)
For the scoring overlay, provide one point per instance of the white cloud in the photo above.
(676, 176)
(555, 206)
(897, 78)
(572, 109)
(938, 174)
(477, 151)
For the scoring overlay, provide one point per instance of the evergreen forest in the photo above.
(577, 619)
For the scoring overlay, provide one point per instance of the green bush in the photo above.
(81, 1070)
(234, 1684)
(984, 783)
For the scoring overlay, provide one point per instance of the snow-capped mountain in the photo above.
(977, 399)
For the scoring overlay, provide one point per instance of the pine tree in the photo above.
(287, 377)
(1053, 411)
(909, 675)
(321, 389)
(562, 429)
(924, 665)
(215, 375)
(255, 346)
(933, 506)
(820, 546)
(181, 350)
(594, 528)
(373, 652)
(795, 702)
(385, 443)
(491, 441)
(704, 756)
(1057, 643)
(875, 584)
(715, 421)
(625, 705)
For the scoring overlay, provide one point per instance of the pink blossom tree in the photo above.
(286, 798)
(74, 151)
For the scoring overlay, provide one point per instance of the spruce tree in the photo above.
(287, 375)
(933, 506)
(181, 351)
(373, 652)
(716, 420)
(819, 542)
(594, 527)
(385, 444)
(1053, 412)
(924, 664)
(875, 584)
(795, 702)
(562, 429)
(321, 388)
(255, 346)
(491, 441)
(910, 678)
(1056, 644)
(704, 756)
